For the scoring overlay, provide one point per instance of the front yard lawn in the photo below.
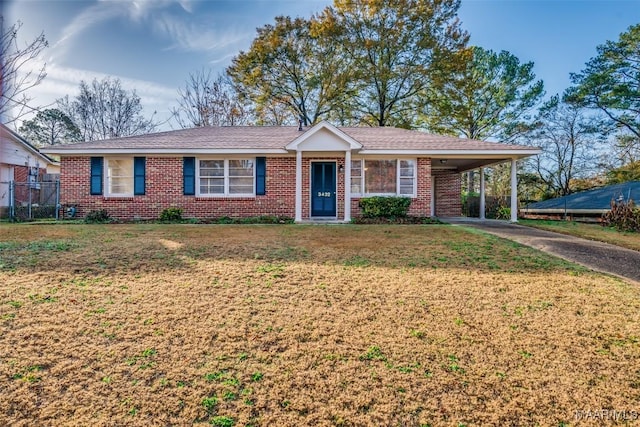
(292, 325)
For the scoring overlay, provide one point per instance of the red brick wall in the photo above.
(421, 205)
(448, 196)
(164, 189)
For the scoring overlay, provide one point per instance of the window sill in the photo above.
(223, 197)
(118, 197)
(362, 196)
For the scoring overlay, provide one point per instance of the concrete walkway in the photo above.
(603, 257)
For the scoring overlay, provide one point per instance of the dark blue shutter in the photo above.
(189, 176)
(96, 176)
(138, 176)
(261, 176)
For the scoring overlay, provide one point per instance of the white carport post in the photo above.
(298, 186)
(514, 191)
(347, 186)
(482, 194)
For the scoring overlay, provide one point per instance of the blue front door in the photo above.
(323, 189)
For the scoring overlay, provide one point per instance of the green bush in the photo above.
(97, 217)
(171, 214)
(624, 216)
(503, 212)
(385, 207)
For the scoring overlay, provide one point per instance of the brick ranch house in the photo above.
(318, 173)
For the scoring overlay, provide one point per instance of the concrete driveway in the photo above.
(603, 257)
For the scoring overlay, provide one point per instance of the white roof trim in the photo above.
(353, 144)
(179, 151)
(27, 146)
(462, 153)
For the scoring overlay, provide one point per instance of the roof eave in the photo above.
(460, 153)
(181, 151)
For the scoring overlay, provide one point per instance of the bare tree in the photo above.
(15, 76)
(209, 101)
(569, 140)
(105, 110)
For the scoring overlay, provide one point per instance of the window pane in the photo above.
(241, 176)
(241, 185)
(356, 176)
(211, 167)
(407, 177)
(406, 168)
(380, 176)
(212, 185)
(356, 168)
(241, 168)
(120, 176)
(356, 185)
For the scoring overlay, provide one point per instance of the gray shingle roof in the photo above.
(599, 198)
(277, 137)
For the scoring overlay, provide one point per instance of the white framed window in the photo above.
(226, 177)
(119, 174)
(385, 177)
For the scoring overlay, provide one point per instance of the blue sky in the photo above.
(152, 46)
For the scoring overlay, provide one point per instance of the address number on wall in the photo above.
(324, 194)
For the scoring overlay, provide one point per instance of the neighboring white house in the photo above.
(21, 162)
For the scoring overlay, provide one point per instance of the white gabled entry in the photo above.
(324, 137)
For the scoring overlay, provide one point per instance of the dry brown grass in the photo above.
(305, 325)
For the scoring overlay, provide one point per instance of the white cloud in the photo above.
(223, 60)
(194, 37)
(61, 81)
(180, 30)
(99, 12)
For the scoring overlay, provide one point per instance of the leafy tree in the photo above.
(610, 83)
(391, 49)
(569, 139)
(50, 127)
(290, 68)
(15, 77)
(105, 110)
(628, 172)
(488, 97)
(209, 101)
(626, 147)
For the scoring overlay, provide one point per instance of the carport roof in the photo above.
(596, 199)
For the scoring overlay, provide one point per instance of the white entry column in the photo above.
(347, 186)
(514, 191)
(482, 195)
(298, 186)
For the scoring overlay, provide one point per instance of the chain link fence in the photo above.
(26, 201)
